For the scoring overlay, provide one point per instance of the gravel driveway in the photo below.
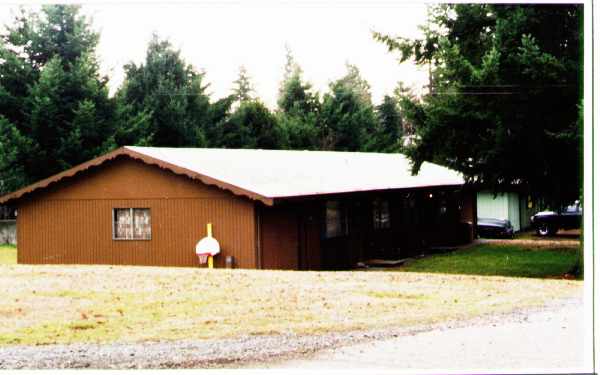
(549, 337)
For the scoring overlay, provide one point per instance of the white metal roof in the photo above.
(284, 173)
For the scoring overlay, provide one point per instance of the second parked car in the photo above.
(494, 228)
(547, 223)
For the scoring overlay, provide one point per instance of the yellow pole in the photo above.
(209, 234)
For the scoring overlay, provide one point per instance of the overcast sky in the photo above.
(218, 37)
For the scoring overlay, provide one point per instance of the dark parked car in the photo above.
(494, 228)
(547, 223)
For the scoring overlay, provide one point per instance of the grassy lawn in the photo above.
(68, 304)
(8, 254)
(499, 260)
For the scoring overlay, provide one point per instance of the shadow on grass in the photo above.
(499, 260)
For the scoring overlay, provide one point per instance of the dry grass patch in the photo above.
(8, 254)
(563, 238)
(64, 304)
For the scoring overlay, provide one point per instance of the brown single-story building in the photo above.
(269, 209)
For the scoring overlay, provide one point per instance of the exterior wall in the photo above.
(513, 210)
(489, 206)
(416, 224)
(8, 232)
(72, 221)
(526, 211)
(279, 238)
(293, 234)
(504, 206)
(290, 236)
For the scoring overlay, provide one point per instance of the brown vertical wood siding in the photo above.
(279, 238)
(72, 221)
(310, 235)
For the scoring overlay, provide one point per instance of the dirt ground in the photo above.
(564, 238)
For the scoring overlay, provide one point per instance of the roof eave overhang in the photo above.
(236, 190)
(278, 199)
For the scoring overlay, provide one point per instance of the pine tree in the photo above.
(51, 91)
(252, 125)
(243, 89)
(386, 138)
(12, 145)
(347, 119)
(505, 95)
(163, 100)
(298, 107)
(354, 82)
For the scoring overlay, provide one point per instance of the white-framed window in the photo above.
(336, 223)
(131, 224)
(381, 214)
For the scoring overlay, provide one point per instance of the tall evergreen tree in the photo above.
(506, 85)
(347, 120)
(165, 100)
(354, 82)
(299, 114)
(347, 116)
(57, 31)
(70, 116)
(389, 117)
(218, 115)
(12, 147)
(252, 125)
(17, 74)
(406, 104)
(388, 130)
(298, 108)
(290, 69)
(296, 96)
(51, 92)
(243, 90)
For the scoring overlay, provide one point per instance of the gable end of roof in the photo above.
(47, 182)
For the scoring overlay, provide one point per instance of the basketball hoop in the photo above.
(203, 258)
(207, 248)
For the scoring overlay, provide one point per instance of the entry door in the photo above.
(279, 234)
(309, 233)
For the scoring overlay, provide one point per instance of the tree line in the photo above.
(56, 112)
(503, 107)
